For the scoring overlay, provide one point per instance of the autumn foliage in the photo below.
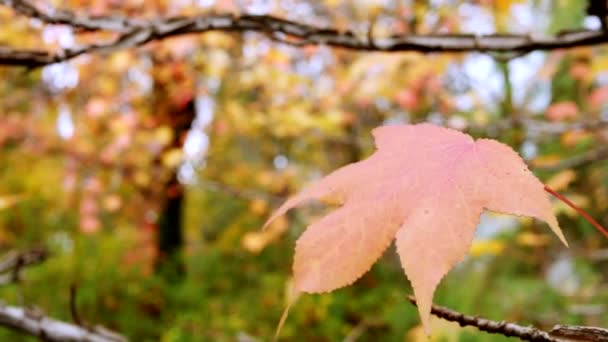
(148, 169)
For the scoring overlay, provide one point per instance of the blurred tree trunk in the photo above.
(174, 107)
(170, 237)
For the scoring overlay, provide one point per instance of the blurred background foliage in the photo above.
(149, 172)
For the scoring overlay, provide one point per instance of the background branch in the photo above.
(541, 126)
(586, 158)
(13, 263)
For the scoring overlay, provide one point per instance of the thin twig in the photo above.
(580, 211)
(361, 328)
(503, 328)
(247, 194)
(74, 307)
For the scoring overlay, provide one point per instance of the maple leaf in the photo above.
(426, 186)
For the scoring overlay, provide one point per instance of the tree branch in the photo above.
(137, 32)
(542, 126)
(586, 158)
(34, 322)
(559, 333)
(13, 263)
(49, 329)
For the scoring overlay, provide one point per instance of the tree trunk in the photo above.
(174, 107)
(170, 263)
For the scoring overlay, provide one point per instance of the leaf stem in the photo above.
(589, 219)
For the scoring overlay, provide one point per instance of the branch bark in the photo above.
(49, 329)
(136, 32)
(559, 333)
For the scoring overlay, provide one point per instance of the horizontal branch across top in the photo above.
(136, 32)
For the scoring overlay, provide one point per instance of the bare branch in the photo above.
(559, 333)
(37, 324)
(137, 32)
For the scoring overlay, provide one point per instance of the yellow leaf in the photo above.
(218, 39)
(9, 201)
(265, 178)
(483, 247)
(548, 160)
(277, 56)
(141, 178)
(480, 117)
(258, 206)
(561, 180)
(599, 64)
(571, 138)
(532, 240)
(255, 242)
(172, 158)
(503, 12)
(163, 135)
(112, 202)
(122, 60)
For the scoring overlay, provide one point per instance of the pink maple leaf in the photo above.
(426, 187)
